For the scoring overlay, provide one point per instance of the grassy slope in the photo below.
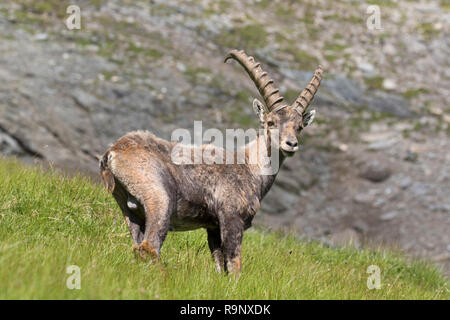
(48, 222)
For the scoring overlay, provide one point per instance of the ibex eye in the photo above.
(270, 123)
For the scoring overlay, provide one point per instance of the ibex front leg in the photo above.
(157, 217)
(232, 230)
(215, 245)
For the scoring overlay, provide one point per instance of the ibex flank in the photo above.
(157, 195)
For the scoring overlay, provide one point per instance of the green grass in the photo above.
(427, 30)
(48, 222)
(374, 83)
(445, 4)
(248, 37)
(413, 93)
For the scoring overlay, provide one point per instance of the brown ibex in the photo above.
(157, 195)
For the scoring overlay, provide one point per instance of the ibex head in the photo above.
(289, 120)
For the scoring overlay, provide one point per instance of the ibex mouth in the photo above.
(288, 153)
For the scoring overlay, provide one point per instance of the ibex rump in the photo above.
(157, 195)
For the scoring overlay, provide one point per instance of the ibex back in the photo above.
(157, 195)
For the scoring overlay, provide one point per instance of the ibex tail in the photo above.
(106, 174)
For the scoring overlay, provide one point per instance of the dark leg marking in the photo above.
(215, 246)
(134, 221)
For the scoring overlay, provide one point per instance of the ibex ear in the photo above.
(258, 107)
(308, 117)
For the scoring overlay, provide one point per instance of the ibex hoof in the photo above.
(234, 267)
(146, 251)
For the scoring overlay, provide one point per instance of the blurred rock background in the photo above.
(373, 168)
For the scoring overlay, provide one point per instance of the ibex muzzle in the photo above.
(156, 195)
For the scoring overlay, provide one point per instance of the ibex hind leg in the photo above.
(158, 207)
(133, 216)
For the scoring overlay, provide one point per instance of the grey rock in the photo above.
(41, 36)
(379, 202)
(405, 182)
(84, 99)
(382, 145)
(389, 84)
(420, 189)
(361, 226)
(366, 67)
(411, 156)
(440, 207)
(364, 198)
(441, 257)
(389, 103)
(278, 201)
(345, 90)
(389, 215)
(9, 146)
(375, 172)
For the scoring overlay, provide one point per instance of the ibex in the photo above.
(157, 195)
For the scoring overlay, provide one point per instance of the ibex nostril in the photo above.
(292, 144)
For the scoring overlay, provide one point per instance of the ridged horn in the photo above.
(306, 96)
(263, 83)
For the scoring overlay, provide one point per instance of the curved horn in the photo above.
(305, 97)
(263, 83)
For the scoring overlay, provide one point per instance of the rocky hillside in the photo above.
(374, 167)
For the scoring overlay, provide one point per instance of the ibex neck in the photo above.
(262, 173)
